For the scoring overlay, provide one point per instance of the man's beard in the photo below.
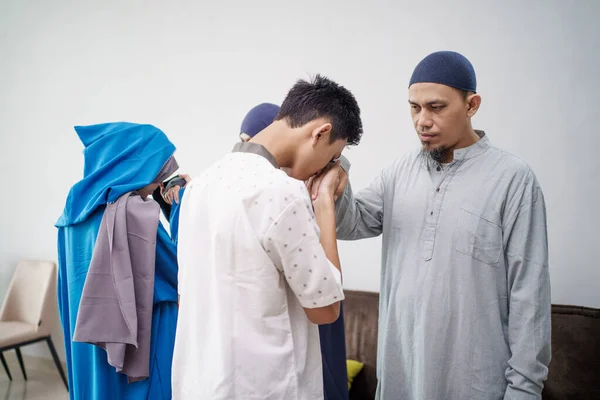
(431, 158)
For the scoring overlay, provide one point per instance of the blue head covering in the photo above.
(119, 158)
(447, 68)
(259, 118)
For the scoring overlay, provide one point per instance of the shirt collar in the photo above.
(475, 149)
(255, 148)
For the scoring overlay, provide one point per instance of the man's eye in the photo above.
(436, 108)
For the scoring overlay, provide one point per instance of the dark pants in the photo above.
(333, 351)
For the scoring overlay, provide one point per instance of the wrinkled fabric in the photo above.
(174, 217)
(115, 311)
(119, 158)
(464, 308)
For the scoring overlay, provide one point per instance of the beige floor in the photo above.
(43, 380)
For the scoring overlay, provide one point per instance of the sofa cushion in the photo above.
(574, 371)
(353, 367)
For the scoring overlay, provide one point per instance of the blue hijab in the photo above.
(118, 158)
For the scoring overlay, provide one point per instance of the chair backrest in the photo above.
(31, 296)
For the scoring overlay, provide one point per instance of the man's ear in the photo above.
(321, 132)
(473, 103)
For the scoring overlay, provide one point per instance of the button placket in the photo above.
(431, 223)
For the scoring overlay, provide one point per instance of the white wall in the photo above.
(195, 69)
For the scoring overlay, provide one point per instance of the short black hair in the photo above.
(323, 98)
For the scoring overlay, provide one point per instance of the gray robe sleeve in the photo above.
(526, 246)
(360, 216)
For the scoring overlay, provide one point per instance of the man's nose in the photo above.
(425, 120)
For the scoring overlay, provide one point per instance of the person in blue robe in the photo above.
(119, 158)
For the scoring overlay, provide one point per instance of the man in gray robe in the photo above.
(465, 290)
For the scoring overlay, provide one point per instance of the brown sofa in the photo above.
(574, 370)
